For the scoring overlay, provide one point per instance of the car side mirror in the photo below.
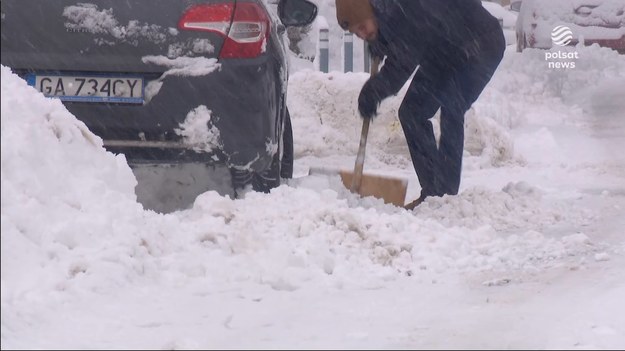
(296, 13)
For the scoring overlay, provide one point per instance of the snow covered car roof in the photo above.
(587, 19)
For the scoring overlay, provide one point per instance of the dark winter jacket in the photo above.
(440, 35)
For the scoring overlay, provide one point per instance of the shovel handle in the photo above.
(360, 157)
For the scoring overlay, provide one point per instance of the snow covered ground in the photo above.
(530, 254)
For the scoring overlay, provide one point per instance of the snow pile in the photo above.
(52, 173)
(321, 235)
(535, 232)
(516, 206)
(60, 190)
(528, 76)
(79, 253)
(514, 98)
(327, 113)
(524, 86)
(331, 121)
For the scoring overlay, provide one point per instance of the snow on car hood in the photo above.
(592, 19)
(585, 13)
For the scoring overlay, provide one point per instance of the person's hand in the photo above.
(368, 101)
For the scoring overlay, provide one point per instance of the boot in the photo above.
(411, 206)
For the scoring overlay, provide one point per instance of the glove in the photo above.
(368, 100)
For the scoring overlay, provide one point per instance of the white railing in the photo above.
(347, 51)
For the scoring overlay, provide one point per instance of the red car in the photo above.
(545, 23)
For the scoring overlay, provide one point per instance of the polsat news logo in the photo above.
(561, 36)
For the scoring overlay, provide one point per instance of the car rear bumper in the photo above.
(242, 99)
(167, 188)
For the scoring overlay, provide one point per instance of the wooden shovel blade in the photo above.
(391, 190)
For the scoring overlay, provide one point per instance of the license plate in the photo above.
(116, 89)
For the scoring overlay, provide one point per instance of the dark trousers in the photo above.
(452, 90)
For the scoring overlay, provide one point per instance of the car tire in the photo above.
(282, 163)
(268, 179)
(262, 181)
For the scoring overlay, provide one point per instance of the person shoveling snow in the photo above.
(457, 45)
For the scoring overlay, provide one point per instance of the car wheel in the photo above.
(268, 179)
(262, 181)
(281, 167)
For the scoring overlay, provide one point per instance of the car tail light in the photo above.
(245, 26)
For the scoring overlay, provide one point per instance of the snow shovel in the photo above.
(390, 189)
